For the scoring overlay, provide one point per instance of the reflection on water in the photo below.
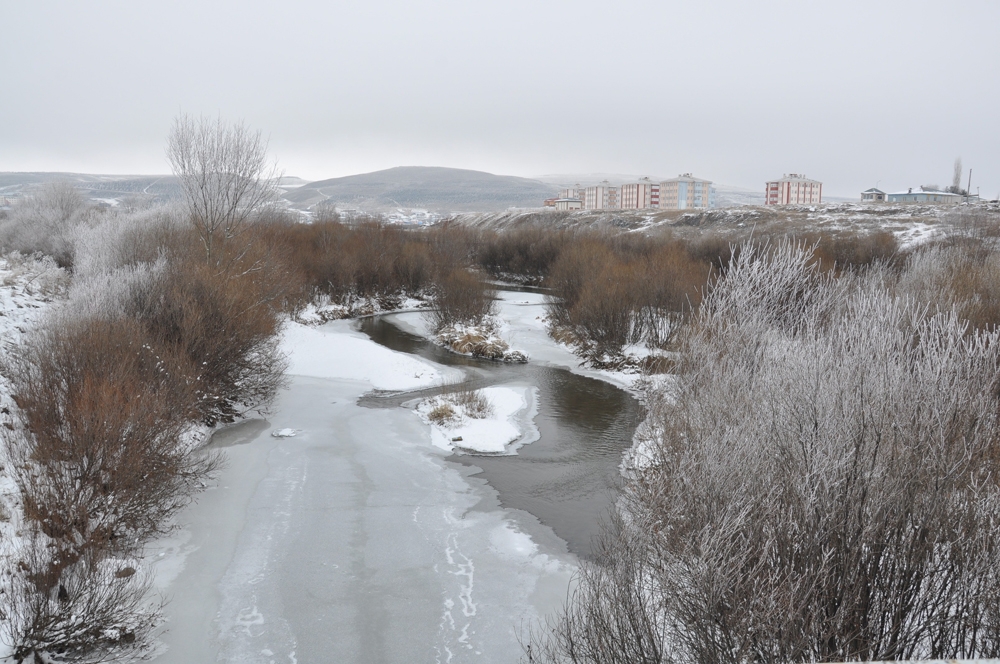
(568, 478)
(240, 433)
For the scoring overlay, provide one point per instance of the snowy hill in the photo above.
(424, 187)
(109, 189)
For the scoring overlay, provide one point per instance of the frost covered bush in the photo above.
(35, 275)
(823, 486)
(124, 238)
(964, 276)
(45, 223)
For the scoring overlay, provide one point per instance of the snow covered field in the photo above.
(354, 540)
(336, 350)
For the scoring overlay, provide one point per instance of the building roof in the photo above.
(873, 190)
(687, 177)
(926, 193)
(794, 176)
(646, 181)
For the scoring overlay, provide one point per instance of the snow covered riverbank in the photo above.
(28, 287)
(522, 324)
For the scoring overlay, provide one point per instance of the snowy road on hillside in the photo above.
(354, 540)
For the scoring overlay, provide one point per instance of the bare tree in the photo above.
(224, 173)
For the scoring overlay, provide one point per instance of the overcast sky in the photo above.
(850, 93)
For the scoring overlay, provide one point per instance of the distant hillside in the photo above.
(96, 187)
(424, 187)
(729, 196)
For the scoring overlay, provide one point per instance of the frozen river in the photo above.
(356, 540)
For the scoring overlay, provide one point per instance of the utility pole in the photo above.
(968, 189)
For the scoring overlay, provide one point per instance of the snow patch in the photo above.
(337, 351)
(513, 411)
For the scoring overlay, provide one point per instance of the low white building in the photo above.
(568, 204)
(793, 189)
(930, 197)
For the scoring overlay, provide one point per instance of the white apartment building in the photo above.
(686, 192)
(793, 189)
(601, 197)
(639, 195)
(575, 191)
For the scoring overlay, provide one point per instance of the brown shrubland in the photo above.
(614, 292)
(99, 460)
(462, 297)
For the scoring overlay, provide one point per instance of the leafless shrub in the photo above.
(39, 274)
(97, 609)
(853, 250)
(823, 488)
(365, 262)
(614, 292)
(462, 298)
(523, 253)
(610, 616)
(223, 316)
(326, 213)
(960, 276)
(975, 223)
(124, 238)
(45, 223)
(97, 454)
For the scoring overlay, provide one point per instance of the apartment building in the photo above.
(639, 195)
(793, 189)
(601, 197)
(576, 191)
(685, 192)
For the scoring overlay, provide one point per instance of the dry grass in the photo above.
(473, 403)
(449, 409)
(442, 414)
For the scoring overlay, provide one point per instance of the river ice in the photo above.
(355, 540)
